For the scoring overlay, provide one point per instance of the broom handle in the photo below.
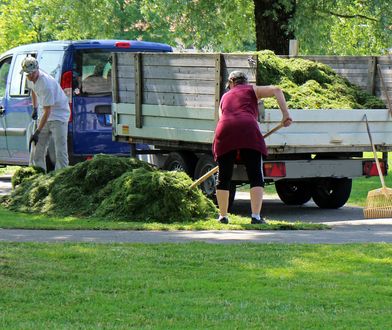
(375, 155)
(385, 89)
(216, 168)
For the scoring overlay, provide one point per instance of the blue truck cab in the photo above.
(83, 69)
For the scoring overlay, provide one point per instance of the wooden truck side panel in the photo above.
(172, 100)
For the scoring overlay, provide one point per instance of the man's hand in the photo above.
(34, 114)
(34, 137)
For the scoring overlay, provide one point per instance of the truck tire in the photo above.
(208, 187)
(293, 192)
(181, 161)
(332, 193)
(203, 165)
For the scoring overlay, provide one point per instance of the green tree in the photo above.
(16, 26)
(322, 27)
(225, 25)
(202, 24)
(343, 27)
(273, 30)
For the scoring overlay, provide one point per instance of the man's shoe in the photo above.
(224, 220)
(255, 221)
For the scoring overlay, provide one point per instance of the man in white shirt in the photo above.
(53, 120)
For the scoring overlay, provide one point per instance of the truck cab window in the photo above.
(50, 62)
(94, 72)
(18, 80)
(4, 70)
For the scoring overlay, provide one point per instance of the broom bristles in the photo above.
(378, 204)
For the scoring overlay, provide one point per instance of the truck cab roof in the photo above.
(114, 45)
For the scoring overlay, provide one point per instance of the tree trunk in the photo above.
(272, 32)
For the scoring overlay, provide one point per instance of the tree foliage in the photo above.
(343, 27)
(201, 24)
(272, 18)
(322, 27)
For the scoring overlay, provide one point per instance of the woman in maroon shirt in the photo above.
(238, 132)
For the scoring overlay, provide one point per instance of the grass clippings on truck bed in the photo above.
(311, 85)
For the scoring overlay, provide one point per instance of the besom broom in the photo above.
(379, 201)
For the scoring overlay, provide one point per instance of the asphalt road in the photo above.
(273, 208)
(347, 223)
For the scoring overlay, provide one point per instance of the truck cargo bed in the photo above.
(172, 100)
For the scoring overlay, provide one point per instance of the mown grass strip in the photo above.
(195, 286)
(18, 220)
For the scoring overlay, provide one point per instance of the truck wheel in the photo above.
(205, 164)
(332, 193)
(181, 161)
(208, 187)
(293, 192)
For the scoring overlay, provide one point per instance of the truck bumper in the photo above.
(312, 168)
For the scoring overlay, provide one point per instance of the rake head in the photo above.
(378, 204)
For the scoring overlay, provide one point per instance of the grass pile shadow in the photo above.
(311, 85)
(111, 187)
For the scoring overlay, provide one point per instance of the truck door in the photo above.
(17, 116)
(92, 98)
(5, 65)
(18, 113)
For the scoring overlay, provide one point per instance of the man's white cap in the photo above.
(29, 65)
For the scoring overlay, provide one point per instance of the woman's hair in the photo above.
(237, 78)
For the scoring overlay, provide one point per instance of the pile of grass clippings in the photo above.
(110, 187)
(24, 173)
(311, 85)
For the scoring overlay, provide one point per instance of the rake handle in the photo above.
(216, 168)
(375, 155)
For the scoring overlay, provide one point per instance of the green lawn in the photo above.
(10, 219)
(361, 186)
(195, 286)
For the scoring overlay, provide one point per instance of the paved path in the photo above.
(347, 225)
(377, 230)
(5, 184)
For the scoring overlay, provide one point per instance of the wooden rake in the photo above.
(216, 168)
(379, 201)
